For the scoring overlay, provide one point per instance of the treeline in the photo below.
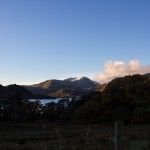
(126, 98)
(24, 110)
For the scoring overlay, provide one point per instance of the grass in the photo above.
(55, 136)
(137, 145)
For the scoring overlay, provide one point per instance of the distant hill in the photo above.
(71, 87)
(13, 90)
(147, 74)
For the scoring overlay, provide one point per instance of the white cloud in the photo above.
(113, 69)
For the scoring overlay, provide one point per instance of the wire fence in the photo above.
(85, 138)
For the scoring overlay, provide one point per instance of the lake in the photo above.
(55, 100)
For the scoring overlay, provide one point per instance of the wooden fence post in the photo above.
(118, 135)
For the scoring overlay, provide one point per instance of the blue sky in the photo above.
(47, 39)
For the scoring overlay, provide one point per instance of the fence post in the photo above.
(118, 135)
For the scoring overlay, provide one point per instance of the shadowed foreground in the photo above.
(50, 136)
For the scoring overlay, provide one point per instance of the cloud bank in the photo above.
(113, 69)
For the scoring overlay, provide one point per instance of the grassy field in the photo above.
(64, 136)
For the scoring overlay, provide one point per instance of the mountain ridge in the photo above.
(74, 87)
(71, 87)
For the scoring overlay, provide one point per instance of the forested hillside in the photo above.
(126, 98)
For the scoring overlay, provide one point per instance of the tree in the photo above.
(50, 111)
(88, 111)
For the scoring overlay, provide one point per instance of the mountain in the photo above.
(72, 79)
(85, 83)
(147, 74)
(71, 87)
(13, 90)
